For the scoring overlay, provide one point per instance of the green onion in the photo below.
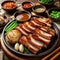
(9, 25)
(13, 25)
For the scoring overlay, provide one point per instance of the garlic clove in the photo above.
(16, 47)
(21, 48)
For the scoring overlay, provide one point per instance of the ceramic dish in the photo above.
(9, 6)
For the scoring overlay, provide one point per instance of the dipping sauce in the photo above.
(23, 17)
(9, 5)
(39, 10)
(27, 5)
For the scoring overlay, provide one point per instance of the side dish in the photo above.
(55, 14)
(27, 5)
(39, 9)
(23, 17)
(9, 5)
(46, 1)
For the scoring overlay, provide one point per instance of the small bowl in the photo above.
(27, 3)
(8, 10)
(54, 19)
(38, 6)
(21, 12)
(49, 4)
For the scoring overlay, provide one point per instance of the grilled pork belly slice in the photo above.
(25, 28)
(44, 28)
(46, 21)
(44, 40)
(21, 30)
(38, 22)
(41, 39)
(36, 38)
(35, 42)
(25, 42)
(41, 23)
(48, 30)
(43, 34)
(29, 26)
(33, 23)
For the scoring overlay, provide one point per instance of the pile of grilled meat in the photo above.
(36, 34)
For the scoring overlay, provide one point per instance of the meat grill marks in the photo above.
(25, 28)
(33, 23)
(29, 26)
(43, 28)
(48, 30)
(35, 42)
(46, 21)
(41, 39)
(32, 43)
(36, 34)
(43, 34)
(21, 30)
(41, 21)
(25, 42)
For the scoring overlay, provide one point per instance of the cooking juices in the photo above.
(22, 17)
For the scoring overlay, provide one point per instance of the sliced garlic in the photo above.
(21, 48)
(16, 47)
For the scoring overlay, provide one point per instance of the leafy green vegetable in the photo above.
(11, 26)
(26, 50)
(55, 14)
(46, 1)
